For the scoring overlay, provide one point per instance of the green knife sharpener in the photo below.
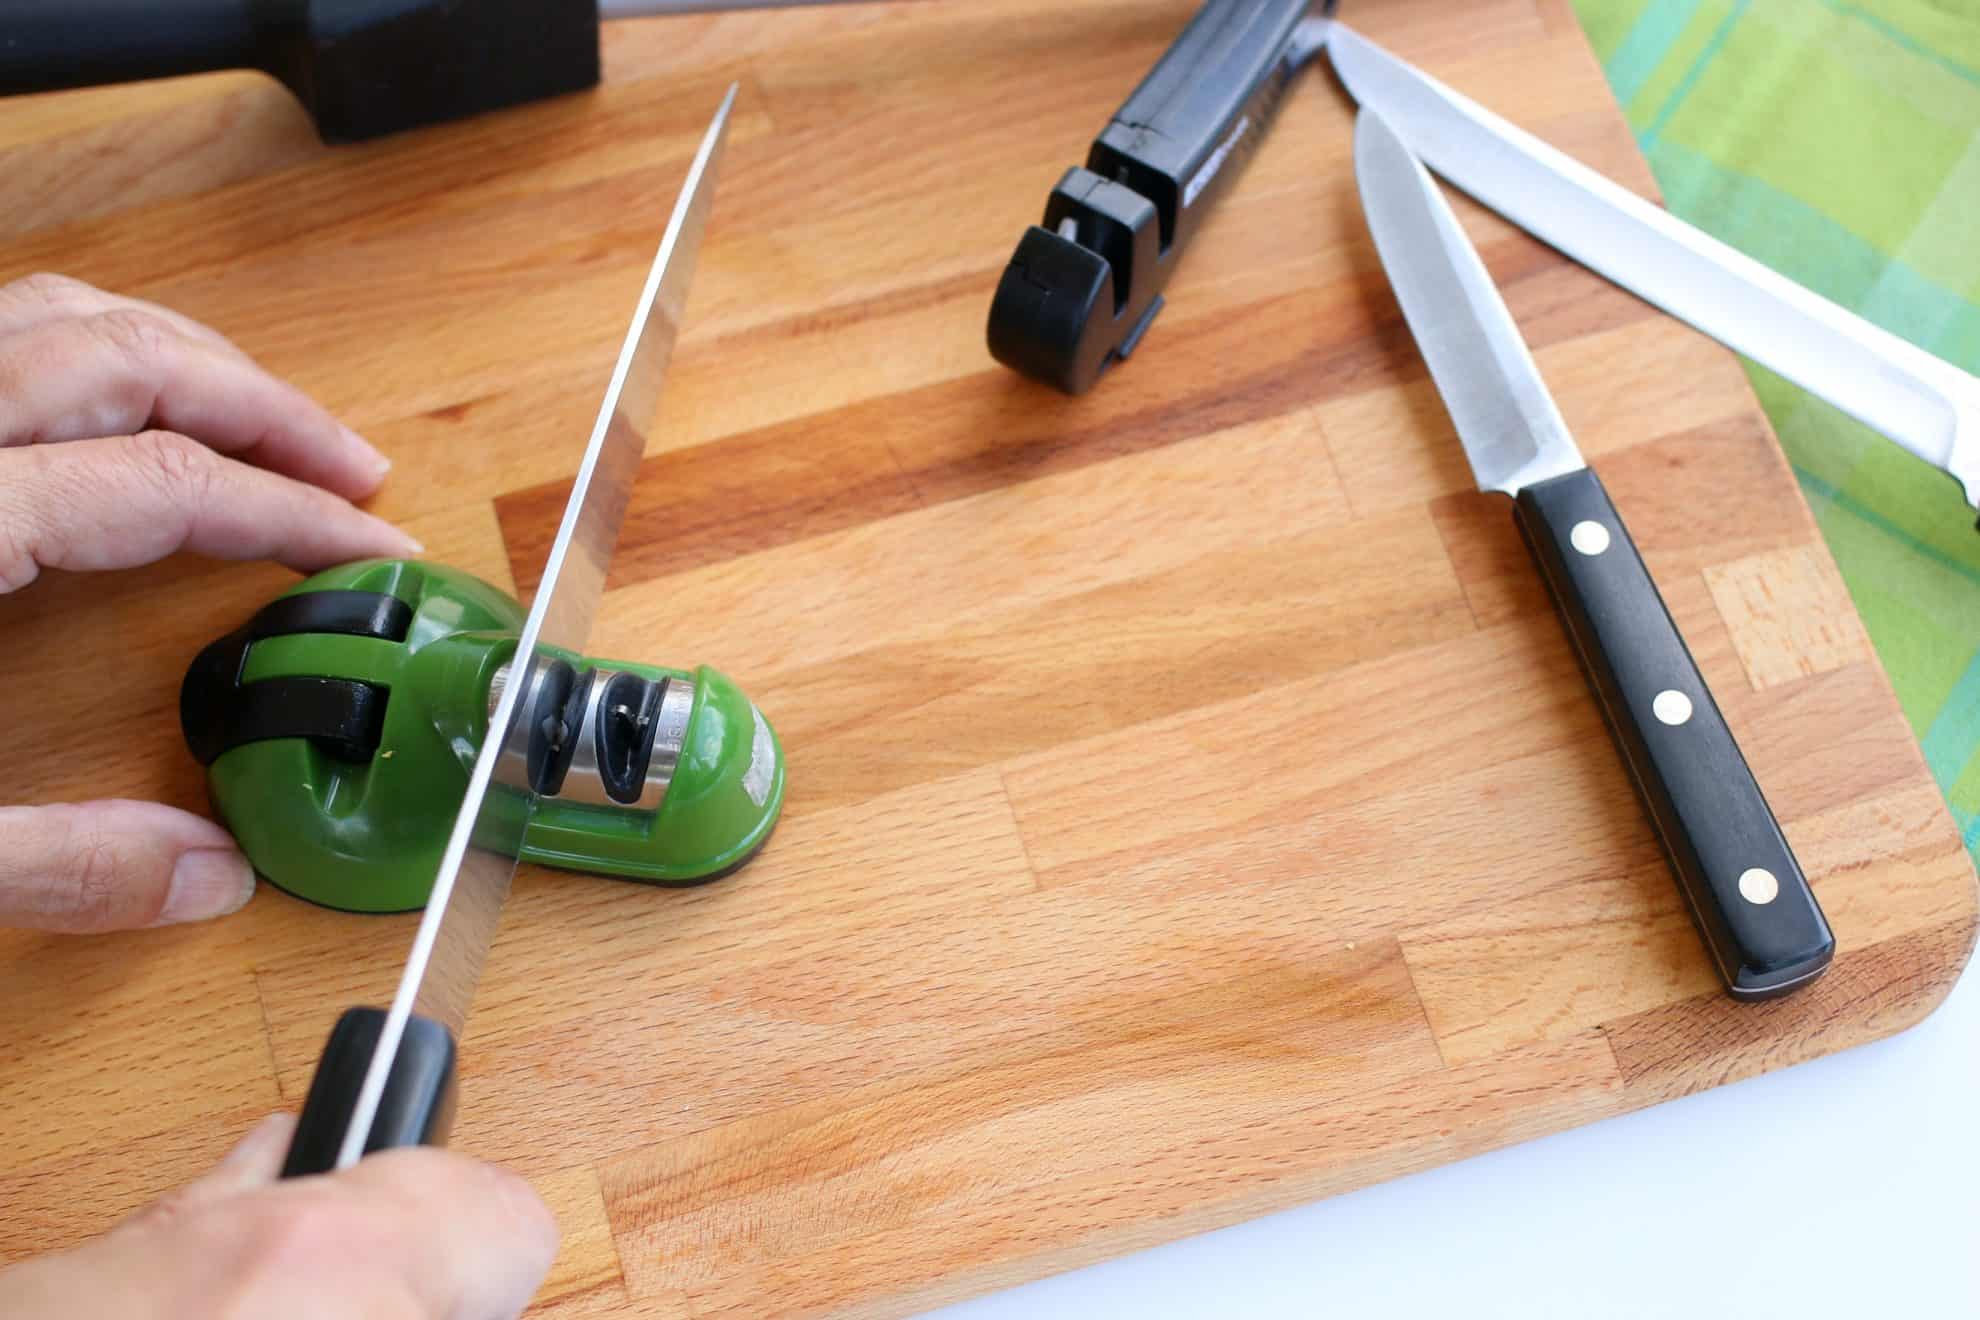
(338, 728)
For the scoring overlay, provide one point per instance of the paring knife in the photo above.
(386, 1078)
(1751, 902)
(1927, 405)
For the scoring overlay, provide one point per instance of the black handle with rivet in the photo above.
(1751, 902)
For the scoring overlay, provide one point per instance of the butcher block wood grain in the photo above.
(1195, 808)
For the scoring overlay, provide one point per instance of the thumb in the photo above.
(465, 1238)
(116, 865)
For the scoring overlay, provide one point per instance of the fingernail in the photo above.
(380, 464)
(404, 544)
(268, 1137)
(206, 883)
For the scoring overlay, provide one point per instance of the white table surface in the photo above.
(1849, 1186)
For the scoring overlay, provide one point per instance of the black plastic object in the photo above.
(361, 68)
(1083, 287)
(416, 1107)
(553, 722)
(217, 712)
(627, 723)
(1752, 904)
(344, 717)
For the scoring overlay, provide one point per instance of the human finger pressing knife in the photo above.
(1758, 916)
(128, 432)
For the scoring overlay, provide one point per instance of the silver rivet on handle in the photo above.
(1671, 706)
(1589, 537)
(1758, 885)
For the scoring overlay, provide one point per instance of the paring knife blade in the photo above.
(1929, 406)
(1759, 918)
(386, 1079)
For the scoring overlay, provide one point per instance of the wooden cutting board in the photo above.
(1195, 808)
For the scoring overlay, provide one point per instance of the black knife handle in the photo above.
(1084, 285)
(47, 45)
(415, 1109)
(1752, 904)
(360, 68)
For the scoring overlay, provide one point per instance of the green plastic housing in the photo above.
(368, 836)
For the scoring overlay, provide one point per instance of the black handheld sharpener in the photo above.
(1084, 285)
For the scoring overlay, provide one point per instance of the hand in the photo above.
(404, 1234)
(171, 439)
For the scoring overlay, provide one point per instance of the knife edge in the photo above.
(1923, 403)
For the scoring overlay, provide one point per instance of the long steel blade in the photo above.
(1927, 405)
(1512, 432)
(461, 915)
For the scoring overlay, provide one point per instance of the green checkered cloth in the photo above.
(1840, 144)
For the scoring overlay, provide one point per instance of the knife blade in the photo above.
(386, 1078)
(1752, 904)
(1927, 405)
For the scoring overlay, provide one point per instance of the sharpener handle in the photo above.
(1083, 286)
(416, 1109)
(1747, 893)
(1199, 114)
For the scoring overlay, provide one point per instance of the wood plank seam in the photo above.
(1017, 829)
(268, 1038)
(1422, 1009)
(1312, 416)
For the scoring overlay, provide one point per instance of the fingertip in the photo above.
(403, 544)
(535, 1224)
(257, 1157)
(375, 463)
(352, 534)
(533, 1213)
(351, 466)
(206, 883)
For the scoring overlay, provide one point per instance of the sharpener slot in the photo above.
(551, 719)
(623, 730)
(616, 736)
